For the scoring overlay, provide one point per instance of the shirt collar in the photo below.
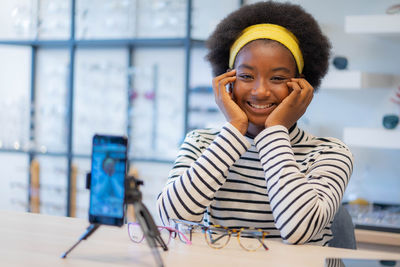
(295, 135)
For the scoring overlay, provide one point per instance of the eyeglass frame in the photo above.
(172, 233)
(251, 230)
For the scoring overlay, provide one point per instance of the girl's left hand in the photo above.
(290, 110)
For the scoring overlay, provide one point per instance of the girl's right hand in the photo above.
(233, 113)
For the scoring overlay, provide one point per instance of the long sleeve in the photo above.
(303, 204)
(199, 171)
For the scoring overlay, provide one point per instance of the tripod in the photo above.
(144, 218)
(133, 196)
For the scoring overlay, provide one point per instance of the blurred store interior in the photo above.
(73, 68)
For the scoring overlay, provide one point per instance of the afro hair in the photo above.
(314, 45)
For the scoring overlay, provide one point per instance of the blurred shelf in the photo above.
(373, 24)
(380, 217)
(356, 80)
(377, 237)
(159, 42)
(198, 42)
(82, 156)
(24, 151)
(152, 160)
(378, 228)
(204, 110)
(131, 158)
(49, 43)
(372, 137)
(10, 150)
(201, 90)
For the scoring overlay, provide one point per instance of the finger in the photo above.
(307, 91)
(224, 75)
(294, 96)
(304, 84)
(228, 87)
(222, 83)
(295, 86)
(217, 80)
(220, 88)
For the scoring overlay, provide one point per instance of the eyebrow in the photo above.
(281, 69)
(245, 66)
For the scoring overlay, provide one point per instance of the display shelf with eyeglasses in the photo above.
(203, 111)
(375, 223)
(375, 216)
(79, 59)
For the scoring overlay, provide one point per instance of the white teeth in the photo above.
(261, 106)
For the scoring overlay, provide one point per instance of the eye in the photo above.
(278, 78)
(245, 76)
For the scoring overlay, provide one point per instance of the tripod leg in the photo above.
(90, 230)
(145, 219)
(150, 231)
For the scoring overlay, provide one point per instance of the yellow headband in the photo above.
(268, 31)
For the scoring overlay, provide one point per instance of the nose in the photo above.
(261, 89)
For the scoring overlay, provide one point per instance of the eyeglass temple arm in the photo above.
(262, 243)
(188, 241)
(216, 240)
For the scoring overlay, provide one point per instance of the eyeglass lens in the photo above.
(135, 232)
(217, 238)
(250, 243)
(184, 229)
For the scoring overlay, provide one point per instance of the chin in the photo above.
(260, 124)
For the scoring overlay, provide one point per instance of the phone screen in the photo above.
(107, 189)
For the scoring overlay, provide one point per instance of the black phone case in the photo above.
(100, 219)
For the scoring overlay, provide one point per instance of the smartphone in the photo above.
(108, 171)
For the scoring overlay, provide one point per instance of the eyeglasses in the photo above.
(217, 236)
(136, 234)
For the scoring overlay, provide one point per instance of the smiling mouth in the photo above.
(257, 106)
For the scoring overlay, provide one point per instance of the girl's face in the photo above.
(263, 68)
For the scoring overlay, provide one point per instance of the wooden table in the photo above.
(39, 240)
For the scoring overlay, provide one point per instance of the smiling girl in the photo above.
(261, 170)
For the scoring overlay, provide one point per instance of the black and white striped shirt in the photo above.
(289, 183)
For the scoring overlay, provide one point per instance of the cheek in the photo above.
(282, 91)
(241, 90)
(237, 93)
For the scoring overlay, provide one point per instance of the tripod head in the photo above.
(132, 191)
